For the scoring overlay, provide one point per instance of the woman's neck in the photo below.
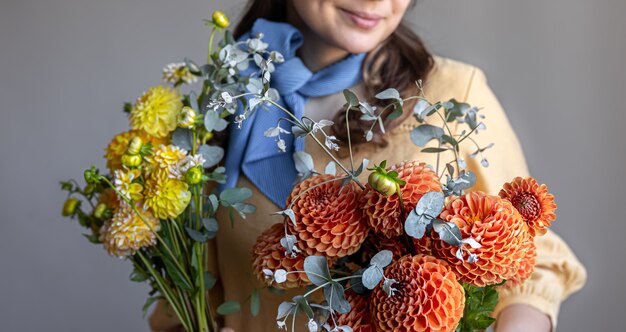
(315, 52)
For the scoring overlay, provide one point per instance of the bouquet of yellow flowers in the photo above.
(410, 249)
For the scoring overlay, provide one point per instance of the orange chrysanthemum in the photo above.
(526, 266)
(497, 226)
(328, 217)
(383, 213)
(428, 297)
(268, 253)
(117, 148)
(533, 201)
(359, 317)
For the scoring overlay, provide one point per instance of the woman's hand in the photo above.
(522, 318)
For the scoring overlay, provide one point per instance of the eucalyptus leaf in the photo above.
(334, 295)
(211, 154)
(231, 196)
(213, 121)
(193, 101)
(390, 93)
(149, 303)
(289, 213)
(303, 161)
(424, 133)
(433, 150)
(351, 98)
(316, 269)
(209, 280)
(175, 274)
(430, 204)
(285, 309)
(255, 303)
(244, 209)
(182, 138)
(415, 225)
(448, 232)
(382, 258)
(371, 277)
(196, 235)
(331, 168)
(303, 306)
(229, 308)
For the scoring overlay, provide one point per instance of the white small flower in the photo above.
(321, 124)
(239, 120)
(178, 72)
(268, 273)
(312, 325)
(330, 143)
(191, 162)
(472, 258)
(281, 324)
(282, 146)
(387, 286)
(275, 131)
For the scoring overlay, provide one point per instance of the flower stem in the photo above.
(210, 50)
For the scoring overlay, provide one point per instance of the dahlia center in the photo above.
(527, 204)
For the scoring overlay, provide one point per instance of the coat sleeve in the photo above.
(558, 273)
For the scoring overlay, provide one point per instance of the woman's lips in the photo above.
(362, 20)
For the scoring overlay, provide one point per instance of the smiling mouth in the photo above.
(360, 19)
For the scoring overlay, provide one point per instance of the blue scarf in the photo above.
(269, 169)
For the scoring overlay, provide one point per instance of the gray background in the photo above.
(66, 67)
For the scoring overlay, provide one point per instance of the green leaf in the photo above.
(316, 269)
(128, 107)
(433, 150)
(175, 274)
(334, 295)
(382, 258)
(209, 280)
(479, 304)
(303, 306)
(148, 303)
(212, 154)
(423, 134)
(196, 235)
(430, 204)
(390, 93)
(303, 161)
(371, 277)
(193, 102)
(255, 303)
(213, 121)
(182, 138)
(351, 98)
(138, 276)
(231, 196)
(415, 224)
(229, 308)
(244, 209)
(397, 112)
(448, 232)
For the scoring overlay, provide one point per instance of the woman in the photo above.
(363, 45)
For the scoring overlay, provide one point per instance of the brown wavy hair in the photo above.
(398, 62)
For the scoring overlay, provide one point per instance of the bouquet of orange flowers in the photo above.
(408, 250)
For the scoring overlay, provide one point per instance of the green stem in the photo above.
(210, 51)
(349, 139)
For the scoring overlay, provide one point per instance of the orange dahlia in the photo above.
(533, 201)
(383, 213)
(328, 217)
(359, 317)
(269, 254)
(497, 226)
(428, 297)
(526, 265)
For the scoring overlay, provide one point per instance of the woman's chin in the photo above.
(357, 43)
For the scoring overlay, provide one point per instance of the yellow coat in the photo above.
(557, 275)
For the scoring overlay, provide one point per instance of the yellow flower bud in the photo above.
(100, 211)
(193, 175)
(134, 146)
(187, 118)
(70, 207)
(131, 161)
(220, 19)
(207, 136)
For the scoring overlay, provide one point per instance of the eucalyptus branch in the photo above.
(349, 138)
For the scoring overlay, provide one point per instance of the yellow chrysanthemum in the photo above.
(126, 183)
(117, 148)
(128, 232)
(166, 158)
(167, 197)
(156, 111)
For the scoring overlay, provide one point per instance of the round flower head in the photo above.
(126, 183)
(497, 226)
(268, 256)
(119, 145)
(359, 317)
(526, 266)
(166, 158)
(156, 111)
(176, 73)
(533, 201)
(383, 213)
(128, 232)
(427, 297)
(167, 197)
(328, 217)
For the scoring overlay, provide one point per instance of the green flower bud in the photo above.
(134, 147)
(220, 19)
(101, 211)
(90, 189)
(382, 183)
(91, 175)
(207, 136)
(131, 161)
(193, 175)
(70, 207)
(187, 118)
